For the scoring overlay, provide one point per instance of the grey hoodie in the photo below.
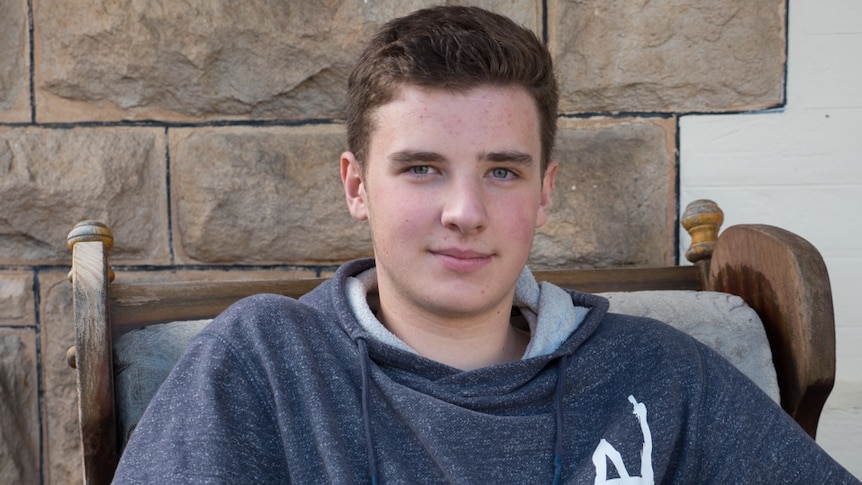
(283, 391)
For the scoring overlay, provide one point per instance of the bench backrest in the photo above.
(778, 274)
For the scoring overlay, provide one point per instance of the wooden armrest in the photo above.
(93, 357)
(783, 277)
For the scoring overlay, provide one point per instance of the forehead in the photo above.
(487, 117)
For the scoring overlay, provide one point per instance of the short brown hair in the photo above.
(452, 48)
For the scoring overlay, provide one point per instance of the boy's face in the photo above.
(453, 191)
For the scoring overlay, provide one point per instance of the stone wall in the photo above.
(206, 134)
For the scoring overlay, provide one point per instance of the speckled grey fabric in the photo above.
(283, 391)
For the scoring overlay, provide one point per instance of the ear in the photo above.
(354, 186)
(547, 190)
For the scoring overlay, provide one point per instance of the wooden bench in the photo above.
(777, 273)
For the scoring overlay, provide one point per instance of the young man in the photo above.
(442, 360)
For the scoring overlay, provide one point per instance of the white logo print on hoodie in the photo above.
(604, 452)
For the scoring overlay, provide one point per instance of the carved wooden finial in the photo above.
(702, 219)
(91, 231)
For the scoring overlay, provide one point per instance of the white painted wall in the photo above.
(799, 167)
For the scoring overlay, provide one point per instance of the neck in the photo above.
(466, 343)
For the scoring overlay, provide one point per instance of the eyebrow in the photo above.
(513, 156)
(413, 156)
(509, 156)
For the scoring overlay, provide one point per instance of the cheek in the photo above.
(399, 214)
(520, 214)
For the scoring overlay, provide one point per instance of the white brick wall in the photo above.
(799, 167)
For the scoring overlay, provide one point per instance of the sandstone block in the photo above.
(614, 202)
(668, 56)
(202, 59)
(14, 63)
(61, 441)
(51, 179)
(261, 196)
(19, 407)
(17, 307)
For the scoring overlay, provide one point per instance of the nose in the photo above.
(464, 208)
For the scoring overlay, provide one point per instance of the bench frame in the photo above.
(777, 273)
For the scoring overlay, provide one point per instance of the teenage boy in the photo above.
(442, 360)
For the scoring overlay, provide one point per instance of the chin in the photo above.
(463, 303)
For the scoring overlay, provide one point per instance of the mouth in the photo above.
(462, 260)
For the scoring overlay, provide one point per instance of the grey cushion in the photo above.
(143, 359)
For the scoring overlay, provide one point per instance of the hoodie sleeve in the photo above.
(752, 440)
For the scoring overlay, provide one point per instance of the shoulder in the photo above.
(642, 349)
(666, 361)
(266, 329)
(261, 315)
(638, 332)
(267, 307)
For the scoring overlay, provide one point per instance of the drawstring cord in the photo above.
(366, 416)
(558, 416)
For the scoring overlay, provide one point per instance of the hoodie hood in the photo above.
(513, 384)
(549, 311)
(559, 320)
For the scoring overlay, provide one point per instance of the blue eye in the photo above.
(500, 173)
(420, 169)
